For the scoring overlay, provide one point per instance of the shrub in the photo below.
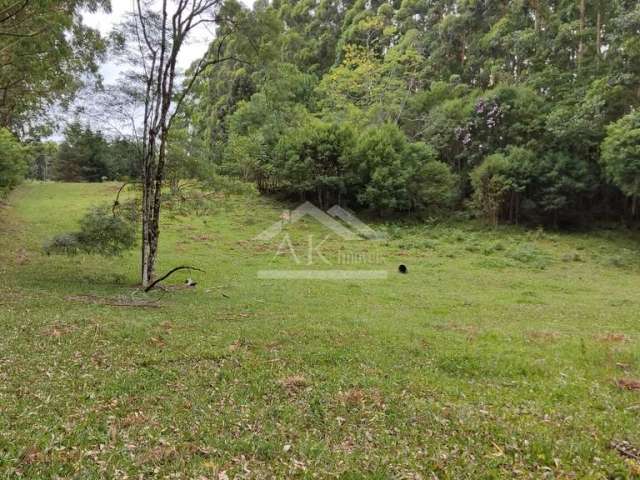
(558, 181)
(621, 155)
(390, 174)
(311, 160)
(101, 232)
(499, 182)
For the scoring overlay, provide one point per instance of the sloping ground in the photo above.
(501, 353)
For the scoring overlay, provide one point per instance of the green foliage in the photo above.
(526, 89)
(86, 155)
(44, 65)
(551, 184)
(392, 174)
(498, 183)
(621, 154)
(82, 155)
(312, 160)
(101, 232)
(559, 180)
(13, 161)
(546, 78)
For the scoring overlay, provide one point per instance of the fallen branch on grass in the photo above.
(625, 449)
(169, 273)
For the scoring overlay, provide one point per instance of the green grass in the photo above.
(495, 357)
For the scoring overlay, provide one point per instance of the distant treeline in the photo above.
(518, 111)
(86, 155)
(522, 110)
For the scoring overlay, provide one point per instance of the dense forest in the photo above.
(518, 111)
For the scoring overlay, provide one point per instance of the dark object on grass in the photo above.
(190, 283)
(403, 269)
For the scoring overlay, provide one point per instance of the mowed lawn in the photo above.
(501, 354)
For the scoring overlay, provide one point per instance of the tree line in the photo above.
(524, 110)
(521, 111)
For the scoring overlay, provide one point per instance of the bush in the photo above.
(101, 232)
(621, 155)
(390, 174)
(558, 181)
(498, 183)
(311, 160)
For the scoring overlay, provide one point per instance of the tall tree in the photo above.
(159, 35)
(45, 50)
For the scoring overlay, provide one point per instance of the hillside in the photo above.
(502, 353)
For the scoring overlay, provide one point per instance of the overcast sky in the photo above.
(200, 39)
(105, 22)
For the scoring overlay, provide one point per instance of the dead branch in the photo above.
(116, 202)
(169, 273)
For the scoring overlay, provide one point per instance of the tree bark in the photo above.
(599, 34)
(583, 10)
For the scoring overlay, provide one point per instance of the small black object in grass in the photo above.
(403, 269)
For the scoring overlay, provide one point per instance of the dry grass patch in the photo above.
(543, 336)
(613, 338)
(294, 383)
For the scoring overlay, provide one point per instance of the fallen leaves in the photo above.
(22, 257)
(353, 397)
(31, 455)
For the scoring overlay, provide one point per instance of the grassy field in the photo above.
(502, 354)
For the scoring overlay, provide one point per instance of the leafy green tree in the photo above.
(281, 104)
(82, 156)
(560, 182)
(312, 159)
(390, 174)
(500, 181)
(621, 156)
(45, 53)
(122, 159)
(13, 161)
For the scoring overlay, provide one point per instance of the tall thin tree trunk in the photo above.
(599, 34)
(583, 9)
(536, 15)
